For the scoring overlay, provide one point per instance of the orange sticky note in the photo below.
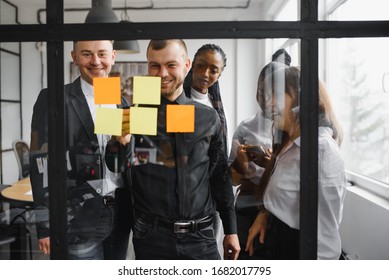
(107, 90)
(180, 118)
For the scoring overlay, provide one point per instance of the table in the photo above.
(19, 195)
(19, 192)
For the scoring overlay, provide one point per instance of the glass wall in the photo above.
(357, 79)
(353, 70)
(354, 76)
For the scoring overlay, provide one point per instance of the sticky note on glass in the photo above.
(107, 90)
(109, 121)
(147, 90)
(143, 120)
(180, 118)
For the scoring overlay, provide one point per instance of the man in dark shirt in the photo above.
(180, 179)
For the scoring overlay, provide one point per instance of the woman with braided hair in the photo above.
(202, 85)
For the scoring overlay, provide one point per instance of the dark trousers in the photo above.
(110, 238)
(158, 243)
(284, 240)
(246, 209)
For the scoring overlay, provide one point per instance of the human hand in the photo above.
(125, 138)
(231, 246)
(44, 245)
(258, 227)
(240, 163)
(264, 158)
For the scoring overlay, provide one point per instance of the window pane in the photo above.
(357, 76)
(7, 13)
(10, 72)
(353, 10)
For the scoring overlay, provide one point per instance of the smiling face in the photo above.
(94, 59)
(207, 68)
(283, 116)
(278, 96)
(171, 63)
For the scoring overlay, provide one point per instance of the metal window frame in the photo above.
(308, 30)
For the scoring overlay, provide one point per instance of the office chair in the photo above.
(22, 152)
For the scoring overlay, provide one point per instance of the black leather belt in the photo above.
(181, 226)
(109, 200)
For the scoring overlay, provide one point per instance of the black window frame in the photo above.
(309, 30)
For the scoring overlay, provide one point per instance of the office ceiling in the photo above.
(75, 11)
(150, 4)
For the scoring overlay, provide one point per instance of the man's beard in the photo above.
(171, 92)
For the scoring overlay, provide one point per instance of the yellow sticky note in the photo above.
(143, 120)
(107, 90)
(109, 121)
(180, 118)
(147, 90)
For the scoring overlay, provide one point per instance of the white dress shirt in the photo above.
(282, 196)
(255, 130)
(111, 180)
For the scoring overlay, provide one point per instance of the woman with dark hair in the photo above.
(250, 151)
(279, 95)
(202, 85)
(202, 82)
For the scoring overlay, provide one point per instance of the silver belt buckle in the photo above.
(182, 227)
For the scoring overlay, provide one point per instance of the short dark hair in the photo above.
(161, 44)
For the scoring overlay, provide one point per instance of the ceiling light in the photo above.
(101, 12)
(126, 46)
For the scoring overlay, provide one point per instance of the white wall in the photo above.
(365, 226)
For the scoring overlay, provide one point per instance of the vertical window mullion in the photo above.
(57, 160)
(309, 134)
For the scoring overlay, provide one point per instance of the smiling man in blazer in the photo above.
(98, 199)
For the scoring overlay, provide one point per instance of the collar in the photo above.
(198, 94)
(181, 99)
(87, 89)
(323, 131)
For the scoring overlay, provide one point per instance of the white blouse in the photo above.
(282, 196)
(255, 130)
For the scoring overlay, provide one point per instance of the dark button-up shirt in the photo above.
(181, 176)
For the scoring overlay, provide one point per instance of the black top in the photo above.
(179, 176)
